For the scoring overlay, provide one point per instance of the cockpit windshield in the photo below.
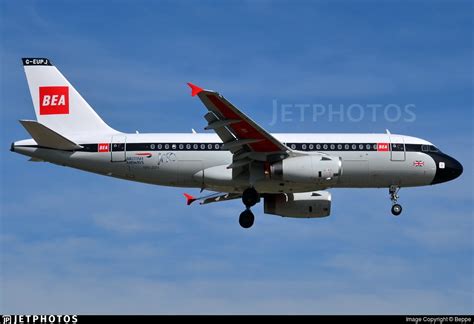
(429, 148)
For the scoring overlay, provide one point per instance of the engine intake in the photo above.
(300, 205)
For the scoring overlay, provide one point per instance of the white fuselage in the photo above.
(197, 160)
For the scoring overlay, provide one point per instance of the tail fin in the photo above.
(58, 105)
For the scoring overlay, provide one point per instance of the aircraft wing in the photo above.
(214, 197)
(240, 134)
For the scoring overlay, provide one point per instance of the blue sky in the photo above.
(73, 242)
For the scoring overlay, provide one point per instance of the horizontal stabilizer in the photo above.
(46, 137)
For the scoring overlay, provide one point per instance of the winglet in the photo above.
(189, 199)
(195, 90)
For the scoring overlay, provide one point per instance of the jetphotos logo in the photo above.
(54, 100)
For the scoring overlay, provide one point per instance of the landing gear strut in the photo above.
(250, 197)
(396, 208)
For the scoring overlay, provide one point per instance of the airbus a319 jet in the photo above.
(238, 160)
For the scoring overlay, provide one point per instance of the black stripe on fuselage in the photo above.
(319, 147)
(309, 147)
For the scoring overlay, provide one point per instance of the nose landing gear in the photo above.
(250, 197)
(396, 208)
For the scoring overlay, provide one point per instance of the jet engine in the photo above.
(322, 169)
(300, 205)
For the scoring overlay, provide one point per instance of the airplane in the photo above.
(238, 160)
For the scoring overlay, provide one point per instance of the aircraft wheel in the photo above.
(246, 219)
(396, 209)
(250, 197)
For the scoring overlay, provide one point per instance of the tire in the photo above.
(396, 209)
(250, 197)
(246, 219)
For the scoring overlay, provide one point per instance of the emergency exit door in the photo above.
(397, 148)
(118, 148)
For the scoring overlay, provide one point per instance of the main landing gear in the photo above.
(250, 197)
(396, 208)
(246, 218)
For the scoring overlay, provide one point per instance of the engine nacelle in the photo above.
(308, 169)
(301, 205)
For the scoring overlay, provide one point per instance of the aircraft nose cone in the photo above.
(456, 169)
(448, 169)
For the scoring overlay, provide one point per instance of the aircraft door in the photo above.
(397, 148)
(118, 148)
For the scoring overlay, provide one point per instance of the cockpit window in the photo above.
(429, 148)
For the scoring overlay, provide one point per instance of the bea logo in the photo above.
(54, 100)
(382, 147)
(103, 147)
